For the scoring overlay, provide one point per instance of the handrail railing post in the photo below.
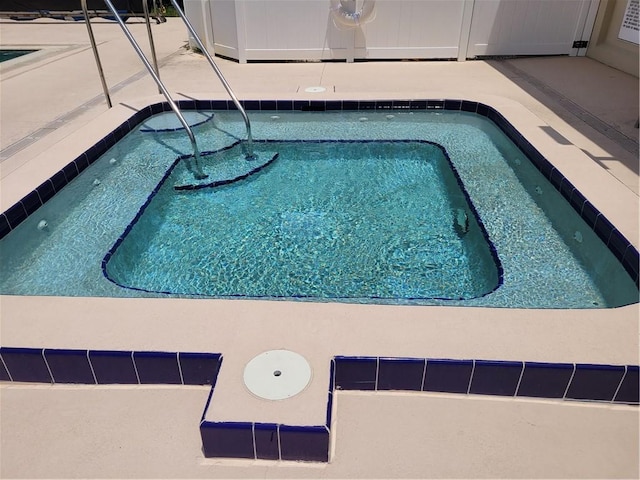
(92, 39)
(196, 153)
(145, 9)
(249, 150)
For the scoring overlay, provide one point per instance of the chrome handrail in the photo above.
(197, 171)
(249, 149)
(92, 39)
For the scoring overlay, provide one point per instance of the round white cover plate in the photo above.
(277, 374)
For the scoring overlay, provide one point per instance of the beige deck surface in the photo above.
(579, 113)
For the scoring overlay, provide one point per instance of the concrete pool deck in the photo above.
(579, 113)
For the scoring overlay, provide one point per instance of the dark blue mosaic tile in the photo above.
(556, 178)
(482, 110)
(418, 104)
(113, 367)
(402, 104)
(400, 373)
(158, 108)
(59, 181)
(333, 105)
(577, 201)
(300, 104)
(120, 132)
(266, 441)
(139, 117)
(566, 189)
(184, 104)
(45, 191)
(618, 244)
(315, 106)
(545, 380)
(435, 104)
(69, 366)
(540, 162)
(82, 162)
(93, 153)
(4, 225)
(4, 374)
(199, 368)
(452, 104)
(384, 104)
(202, 104)
(628, 392)
(26, 364)
(367, 105)
(31, 202)
(452, 376)
(251, 104)
(219, 105)
(495, 378)
(631, 262)
(497, 118)
(284, 105)
(15, 215)
(268, 105)
(350, 105)
(603, 228)
(157, 367)
(227, 439)
(329, 410)
(332, 375)
(590, 214)
(468, 106)
(355, 373)
(309, 444)
(595, 382)
(70, 171)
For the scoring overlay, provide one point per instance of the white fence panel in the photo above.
(528, 27)
(413, 29)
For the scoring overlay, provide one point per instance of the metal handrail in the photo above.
(197, 170)
(249, 150)
(95, 53)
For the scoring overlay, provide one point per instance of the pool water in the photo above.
(357, 207)
(298, 228)
(11, 54)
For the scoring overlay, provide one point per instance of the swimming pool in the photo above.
(548, 255)
(6, 55)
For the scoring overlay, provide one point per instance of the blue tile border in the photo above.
(495, 377)
(26, 364)
(108, 367)
(616, 384)
(69, 366)
(227, 439)
(113, 367)
(447, 376)
(622, 248)
(595, 382)
(159, 368)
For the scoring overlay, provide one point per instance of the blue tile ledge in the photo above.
(614, 384)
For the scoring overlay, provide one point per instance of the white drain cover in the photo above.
(315, 89)
(277, 374)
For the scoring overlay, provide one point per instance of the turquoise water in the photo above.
(549, 257)
(329, 220)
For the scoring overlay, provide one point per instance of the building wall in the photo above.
(605, 46)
